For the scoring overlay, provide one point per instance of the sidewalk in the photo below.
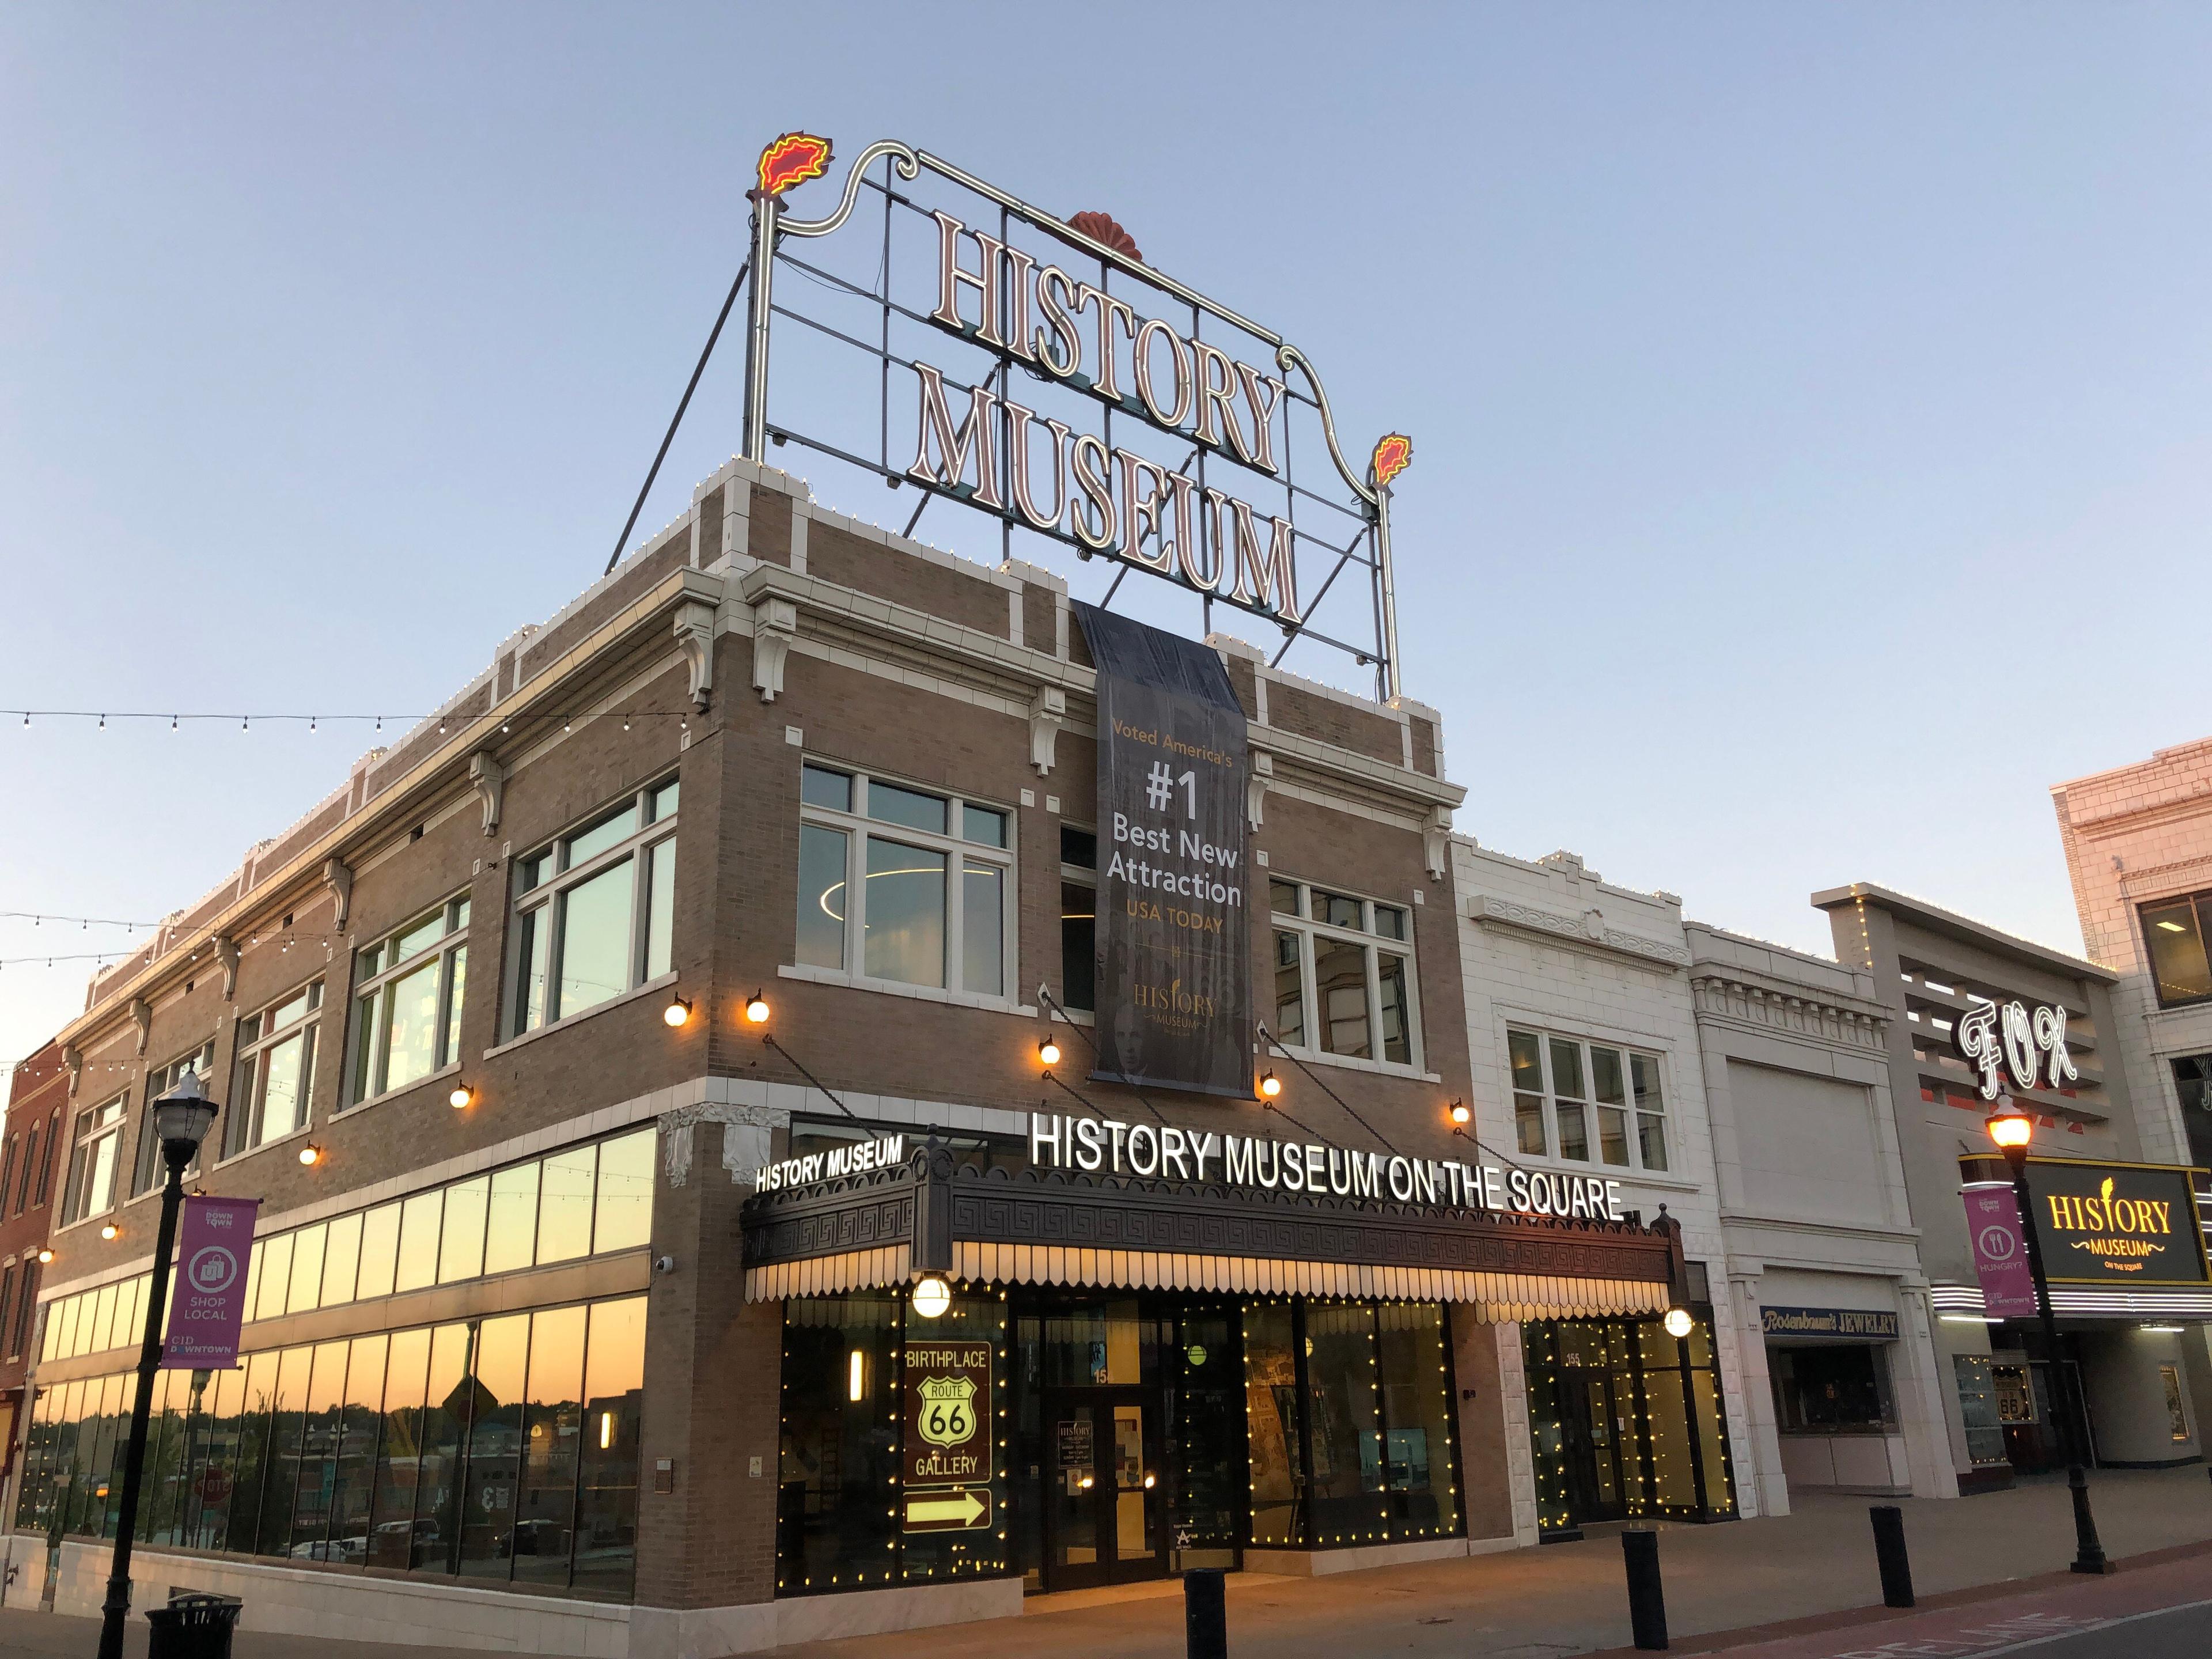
(1567, 1599)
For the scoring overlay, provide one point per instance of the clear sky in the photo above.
(1810, 402)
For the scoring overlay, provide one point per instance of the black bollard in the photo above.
(1889, 1555)
(1647, 1603)
(1205, 1615)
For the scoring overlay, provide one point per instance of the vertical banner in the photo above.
(207, 1307)
(2000, 1250)
(1175, 946)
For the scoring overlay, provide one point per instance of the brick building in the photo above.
(37, 1089)
(529, 1356)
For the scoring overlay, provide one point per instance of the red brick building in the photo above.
(38, 1090)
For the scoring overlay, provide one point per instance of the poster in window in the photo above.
(1173, 986)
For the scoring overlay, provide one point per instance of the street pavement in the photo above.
(1990, 1573)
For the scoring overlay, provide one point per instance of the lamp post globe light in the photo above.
(2012, 1129)
(181, 1118)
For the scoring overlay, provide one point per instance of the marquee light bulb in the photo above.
(1049, 1051)
(756, 1009)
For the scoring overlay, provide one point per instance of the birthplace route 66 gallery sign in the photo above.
(945, 1484)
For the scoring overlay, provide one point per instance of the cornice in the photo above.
(1733, 997)
(1586, 932)
(986, 664)
(444, 767)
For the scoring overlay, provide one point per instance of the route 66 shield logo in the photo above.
(948, 1410)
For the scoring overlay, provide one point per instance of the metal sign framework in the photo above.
(1219, 548)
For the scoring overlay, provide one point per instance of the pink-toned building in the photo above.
(2139, 849)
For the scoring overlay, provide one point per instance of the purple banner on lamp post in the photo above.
(2000, 1250)
(208, 1306)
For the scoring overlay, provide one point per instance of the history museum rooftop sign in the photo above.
(956, 338)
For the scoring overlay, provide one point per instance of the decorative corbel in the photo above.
(1256, 786)
(225, 953)
(141, 1016)
(775, 621)
(695, 637)
(489, 778)
(1048, 714)
(73, 1057)
(339, 879)
(1436, 842)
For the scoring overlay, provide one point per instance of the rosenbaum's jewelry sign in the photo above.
(1037, 369)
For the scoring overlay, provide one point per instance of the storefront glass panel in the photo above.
(1271, 1397)
(844, 1519)
(1626, 1421)
(1417, 1412)
(1343, 1425)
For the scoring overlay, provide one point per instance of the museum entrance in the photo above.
(1131, 1436)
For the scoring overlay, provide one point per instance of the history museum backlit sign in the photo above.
(1037, 369)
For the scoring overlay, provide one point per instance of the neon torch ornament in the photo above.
(1394, 454)
(792, 159)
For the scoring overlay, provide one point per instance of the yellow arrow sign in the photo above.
(954, 1508)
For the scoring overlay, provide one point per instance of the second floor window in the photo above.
(275, 1074)
(407, 1002)
(595, 911)
(1343, 975)
(2174, 931)
(901, 884)
(1078, 917)
(1586, 1102)
(149, 1171)
(46, 1163)
(95, 1152)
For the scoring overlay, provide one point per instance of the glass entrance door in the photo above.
(1595, 1424)
(1103, 1509)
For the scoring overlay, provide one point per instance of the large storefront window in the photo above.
(1842, 1389)
(500, 1450)
(1626, 1421)
(1147, 1434)
(846, 1518)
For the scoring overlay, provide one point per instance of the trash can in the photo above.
(192, 1626)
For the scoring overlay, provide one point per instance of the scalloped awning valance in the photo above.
(880, 1229)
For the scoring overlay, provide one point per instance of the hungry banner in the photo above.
(1175, 948)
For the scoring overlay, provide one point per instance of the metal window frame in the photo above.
(858, 826)
(249, 1101)
(1308, 930)
(357, 1091)
(1546, 1036)
(550, 898)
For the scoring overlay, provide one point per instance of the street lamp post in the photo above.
(181, 1118)
(2011, 1128)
